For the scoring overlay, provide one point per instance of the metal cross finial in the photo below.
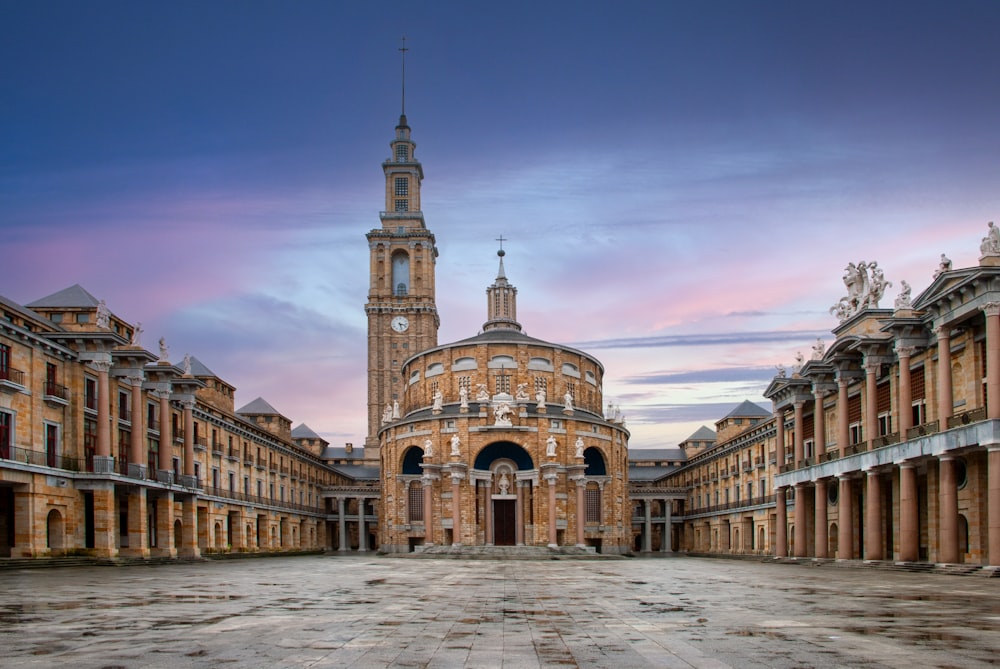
(502, 240)
(403, 51)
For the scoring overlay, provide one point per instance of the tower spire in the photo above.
(402, 51)
(501, 300)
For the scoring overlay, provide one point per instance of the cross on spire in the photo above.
(402, 50)
(502, 240)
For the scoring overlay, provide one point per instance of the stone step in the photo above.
(505, 553)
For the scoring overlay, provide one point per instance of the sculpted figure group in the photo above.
(865, 286)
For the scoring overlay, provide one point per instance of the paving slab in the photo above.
(369, 611)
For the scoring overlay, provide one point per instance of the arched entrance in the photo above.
(503, 499)
(54, 531)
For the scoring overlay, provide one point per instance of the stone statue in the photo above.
(540, 398)
(463, 397)
(504, 483)
(903, 299)
(455, 445)
(819, 349)
(187, 364)
(428, 448)
(800, 361)
(164, 350)
(781, 371)
(438, 400)
(550, 446)
(395, 410)
(136, 334)
(991, 242)
(387, 414)
(502, 413)
(103, 315)
(579, 447)
(568, 400)
(482, 395)
(522, 392)
(943, 266)
(865, 284)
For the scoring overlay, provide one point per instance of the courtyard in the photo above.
(368, 611)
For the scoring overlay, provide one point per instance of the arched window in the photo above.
(594, 461)
(412, 458)
(434, 369)
(463, 363)
(400, 274)
(569, 369)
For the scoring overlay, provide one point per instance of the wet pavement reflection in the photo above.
(368, 611)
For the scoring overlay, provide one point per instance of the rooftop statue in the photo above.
(865, 284)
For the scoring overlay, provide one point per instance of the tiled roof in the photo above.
(702, 434)
(74, 296)
(259, 406)
(749, 410)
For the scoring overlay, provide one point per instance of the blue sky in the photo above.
(682, 184)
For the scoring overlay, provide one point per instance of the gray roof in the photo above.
(340, 453)
(749, 410)
(358, 472)
(674, 454)
(25, 311)
(304, 432)
(703, 434)
(638, 474)
(75, 296)
(259, 406)
(198, 368)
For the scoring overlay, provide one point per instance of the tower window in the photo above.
(402, 205)
(402, 186)
(402, 153)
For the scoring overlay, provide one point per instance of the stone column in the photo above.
(189, 528)
(822, 538)
(800, 520)
(647, 527)
(137, 444)
(799, 447)
(843, 420)
(845, 521)
(165, 525)
(553, 534)
(342, 523)
(456, 508)
(138, 523)
(188, 405)
(871, 402)
(581, 511)
(667, 544)
(819, 425)
(489, 511)
(904, 394)
(992, 312)
(362, 532)
(103, 446)
(946, 402)
(909, 531)
(781, 524)
(105, 521)
(166, 436)
(948, 505)
(428, 483)
(779, 437)
(873, 517)
(519, 514)
(993, 504)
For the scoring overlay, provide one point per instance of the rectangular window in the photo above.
(402, 205)
(51, 444)
(4, 361)
(83, 318)
(592, 505)
(919, 412)
(123, 412)
(402, 186)
(152, 454)
(89, 441)
(6, 432)
(246, 485)
(857, 434)
(90, 393)
(232, 482)
(884, 424)
(402, 153)
(415, 504)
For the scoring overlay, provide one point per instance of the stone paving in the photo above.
(368, 611)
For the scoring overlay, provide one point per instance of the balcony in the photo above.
(829, 455)
(232, 454)
(124, 415)
(922, 430)
(153, 425)
(55, 395)
(967, 417)
(43, 459)
(12, 380)
(885, 440)
(200, 444)
(217, 449)
(178, 435)
(772, 458)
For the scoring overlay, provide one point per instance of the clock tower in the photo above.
(402, 313)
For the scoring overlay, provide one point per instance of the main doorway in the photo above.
(503, 522)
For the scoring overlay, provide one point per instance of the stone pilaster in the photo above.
(873, 517)
(909, 530)
(904, 409)
(821, 521)
(946, 402)
(948, 509)
(781, 523)
(845, 516)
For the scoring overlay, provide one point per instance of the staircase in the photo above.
(505, 553)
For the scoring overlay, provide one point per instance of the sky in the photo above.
(681, 184)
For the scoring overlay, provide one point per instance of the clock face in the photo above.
(400, 323)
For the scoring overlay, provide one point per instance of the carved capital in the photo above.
(872, 367)
(943, 331)
(991, 309)
(100, 366)
(134, 380)
(904, 351)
